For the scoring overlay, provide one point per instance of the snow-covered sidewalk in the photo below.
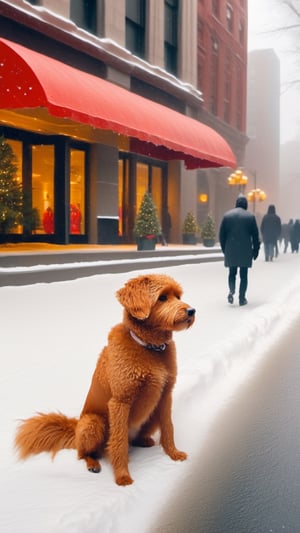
(51, 335)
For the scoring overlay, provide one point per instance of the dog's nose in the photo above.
(190, 311)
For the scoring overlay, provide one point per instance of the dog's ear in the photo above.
(137, 297)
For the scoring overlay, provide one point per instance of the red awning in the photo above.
(29, 79)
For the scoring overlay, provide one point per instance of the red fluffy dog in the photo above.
(130, 395)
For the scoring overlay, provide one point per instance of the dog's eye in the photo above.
(162, 298)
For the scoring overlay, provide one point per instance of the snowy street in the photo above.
(51, 335)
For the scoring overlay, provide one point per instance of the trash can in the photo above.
(108, 230)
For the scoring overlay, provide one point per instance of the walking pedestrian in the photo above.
(240, 244)
(271, 230)
(286, 234)
(295, 236)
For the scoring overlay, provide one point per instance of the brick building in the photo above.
(222, 78)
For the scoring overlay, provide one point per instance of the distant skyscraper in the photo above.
(263, 123)
(289, 204)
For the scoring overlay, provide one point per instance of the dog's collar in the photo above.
(149, 346)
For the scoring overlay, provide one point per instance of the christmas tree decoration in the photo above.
(147, 221)
(147, 225)
(11, 195)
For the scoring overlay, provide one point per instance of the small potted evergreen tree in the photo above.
(208, 231)
(147, 225)
(189, 229)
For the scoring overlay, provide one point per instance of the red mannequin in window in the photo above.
(75, 219)
(48, 220)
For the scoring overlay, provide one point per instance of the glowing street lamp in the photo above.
(256, 195)
(238, 179)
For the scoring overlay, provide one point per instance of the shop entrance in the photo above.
(136, 176)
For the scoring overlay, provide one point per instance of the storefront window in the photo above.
(77, 192)
(43, 187)
(142, 180)
(17, 148)
(156, 189)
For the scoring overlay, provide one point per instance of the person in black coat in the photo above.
(286, 234)
(240, 244)
(295, 236)
(271, 230)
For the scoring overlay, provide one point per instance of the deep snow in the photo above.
(51, 335)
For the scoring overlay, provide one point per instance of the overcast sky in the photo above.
(265, 15)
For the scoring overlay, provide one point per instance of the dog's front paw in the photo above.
(94, 469)
(93, 465)
(177, 455)
(124, 480)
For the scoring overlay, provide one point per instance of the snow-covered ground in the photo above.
(51, 335)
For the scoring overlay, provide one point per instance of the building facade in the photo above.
(86, 171)
(289, 205)
(222, 79)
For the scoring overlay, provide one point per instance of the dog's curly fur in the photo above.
(131, 390)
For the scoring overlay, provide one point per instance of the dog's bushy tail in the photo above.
(45, 433)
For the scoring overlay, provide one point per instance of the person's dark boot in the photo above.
(230, 298)
(243, 300)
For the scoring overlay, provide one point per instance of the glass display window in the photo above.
(142, 181)
(43, 187)
(77, 192)
(17, 148)
(156, 189)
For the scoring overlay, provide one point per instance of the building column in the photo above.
(188, 42)
(62, 191)
(188, 191)
(103, 191)
(155, 33)
(114, 20)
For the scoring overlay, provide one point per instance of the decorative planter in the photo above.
(189, 238)
(146, 243)
(209, 242)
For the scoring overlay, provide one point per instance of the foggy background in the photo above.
(269, 27)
